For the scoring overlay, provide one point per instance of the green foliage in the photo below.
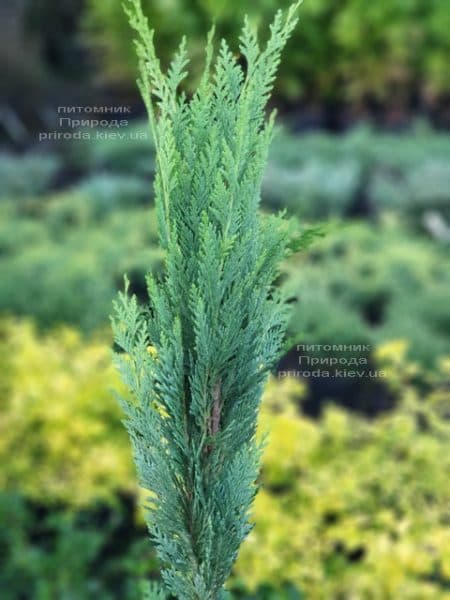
(345, 51)
(152, 590)
(59, 266)
(68, 456)
(22, 176)
(314, 176)
(55, 395)
(417, 192)
(26, 567)
(62, 256)
(354, 508)
(130, 154)
(308, 193)
(197, 355)
(380, 533)
(366, 285)
(64, 554)
(318, 176)
(106, 193)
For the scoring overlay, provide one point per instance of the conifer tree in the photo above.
(197, 354)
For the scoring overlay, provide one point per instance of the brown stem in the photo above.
(214, 420)
(216, 410)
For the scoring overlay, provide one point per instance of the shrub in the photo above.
(55, 399)
(352, 508)
(27, 175)
(365, 285)
(130, 154)
(420, 190)
(18, 233)
(65, 554)
(315, 175)
(195, 356)
(69, 269)
(107, 192)
(348, 51)
(308, 192)
(348, 506)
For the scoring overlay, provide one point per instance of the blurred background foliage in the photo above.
(349, 507)
(355, 483)
(348, 59)
(347, 50)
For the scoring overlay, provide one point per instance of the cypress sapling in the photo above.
(197, 355)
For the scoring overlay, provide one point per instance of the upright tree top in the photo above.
(197, 355)
(227, 106)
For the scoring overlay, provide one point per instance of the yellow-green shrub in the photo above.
(349, 508)
(60, 433)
